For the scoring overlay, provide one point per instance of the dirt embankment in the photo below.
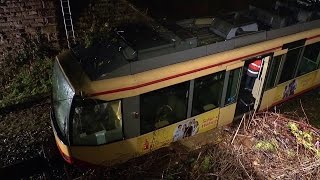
(23, 132)
(306, 106)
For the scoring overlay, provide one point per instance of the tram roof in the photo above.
(138, 47)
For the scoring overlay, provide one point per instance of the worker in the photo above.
(252, 73)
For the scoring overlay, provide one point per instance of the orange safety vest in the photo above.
(255, 67)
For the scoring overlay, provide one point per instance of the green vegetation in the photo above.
(28, 83)
(26, 73)
(206, 163)
(304, 138)
(267, 145)
(306, 106)
(94, 36)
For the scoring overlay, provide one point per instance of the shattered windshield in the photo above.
(62, 98)
(97, 122)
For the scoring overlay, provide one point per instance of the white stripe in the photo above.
(255, 65)
(252, 72)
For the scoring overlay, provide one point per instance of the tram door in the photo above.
(259, 82)
(250, 92)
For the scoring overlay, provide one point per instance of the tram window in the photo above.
(310, 59)
(290, 64)
(233, 84)
(275, 64)
(207, 93)
(97, 122)
(163, 107)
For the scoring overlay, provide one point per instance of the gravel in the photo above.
(23, 132)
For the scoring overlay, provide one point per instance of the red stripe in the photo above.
(84, 164)
(313, 37)
(177, 75)
(65, 157)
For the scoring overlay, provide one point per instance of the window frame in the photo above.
(284, 60)
(190, 99)
(64, 138)
(278, 73)
(58, 70)
(220, 96)
(301, 58)
(226, 86)
(188, 86)
(299, 62)
(70, 134)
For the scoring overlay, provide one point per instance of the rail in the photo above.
(26, 103)
(45, 164)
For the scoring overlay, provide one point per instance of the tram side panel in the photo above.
(124, 150)
(288, 89)
(317, 80)
(230, 93)
(121, 151)
(107, 154)
(307, 77)
(178, 131)
(212, 92)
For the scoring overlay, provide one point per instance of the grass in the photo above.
(27, 72)
(29, 82)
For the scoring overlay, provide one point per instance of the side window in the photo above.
(233, 84)
(310, 59)
(290, 64)
(163, 107)
(273, 72)
(97, 122)
(207, 93)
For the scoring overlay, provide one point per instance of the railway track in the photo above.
(25, 169)
(48, 165)
(38, 100)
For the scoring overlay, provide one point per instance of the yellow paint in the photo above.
(281, 52)
(121, 151)
(164, 136)
(311, 41)
(301, 83)
(227, 114)
(63, 148)
(279, 93)
(317, 79)
(183, 67)
(106, 154)
(148, 76)
(268, 99)
(306, 81)
(235, 65)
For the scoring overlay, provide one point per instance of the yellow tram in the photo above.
(125, 98)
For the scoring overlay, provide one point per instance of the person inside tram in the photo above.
(252, 73)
